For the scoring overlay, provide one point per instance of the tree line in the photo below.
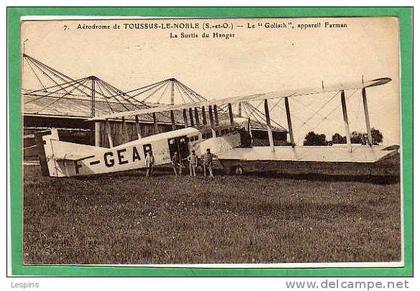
(316, 139)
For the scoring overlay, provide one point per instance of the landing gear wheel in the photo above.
(239, 170)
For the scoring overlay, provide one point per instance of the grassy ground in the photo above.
(345, 216)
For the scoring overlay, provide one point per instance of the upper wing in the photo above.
(255, 97)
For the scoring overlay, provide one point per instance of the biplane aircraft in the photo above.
(229, 140)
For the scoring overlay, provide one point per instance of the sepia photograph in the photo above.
(271, 142)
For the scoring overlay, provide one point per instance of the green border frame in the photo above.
(405, 15)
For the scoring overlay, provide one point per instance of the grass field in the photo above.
(344, 214)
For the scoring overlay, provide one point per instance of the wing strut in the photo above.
(289, 121)
(155, 125)
(230, 114)
(173, 120)
(216, 115)
(126, 137)
(213, 132)
(184, 115)
(197, 119)
(190, 111)
(268, 122)
(108, 133)
(203, 112)
(365, 107)
(138, 130)
(346, 119)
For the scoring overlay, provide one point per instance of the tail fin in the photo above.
(43, 142)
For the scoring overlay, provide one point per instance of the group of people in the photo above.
(177, 165)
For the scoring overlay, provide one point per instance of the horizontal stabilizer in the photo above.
(72, 157)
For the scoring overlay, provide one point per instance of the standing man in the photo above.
(149, 161)
(193, 160)
(176, 164)
(208, 163)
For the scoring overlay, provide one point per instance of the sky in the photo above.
(254, 60)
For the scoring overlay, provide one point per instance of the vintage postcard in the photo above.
(247, 142)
